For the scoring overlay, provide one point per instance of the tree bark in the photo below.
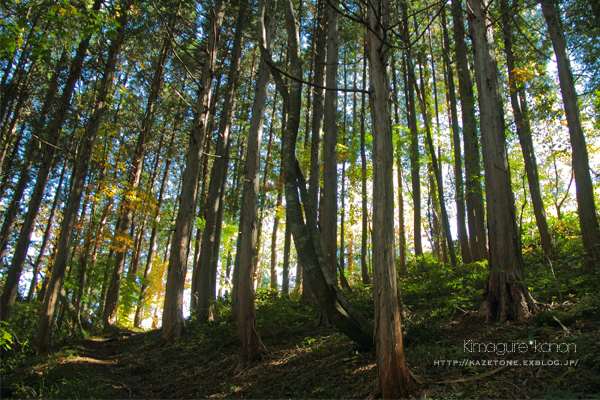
(252, 347)
(588, 220)
(415, 165)
(505, 296)
(393, 375)
(328, 218)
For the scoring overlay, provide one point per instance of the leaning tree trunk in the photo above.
(172, 320)
(304, 230)
(505, 296)
(393, 375)
(588, 220)
(524, 132)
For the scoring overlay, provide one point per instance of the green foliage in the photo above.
(431, 287)
(550, 318)
(274, 313)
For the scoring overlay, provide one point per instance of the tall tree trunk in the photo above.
(328, 219)
(401, 226)
(505, 296)
(415, 165)
(80, 171)
(206, 277)
(12, 279)
(393, 374)
(172, 319)
(474, 196)
(278, 207)
(343, 280)
(285, 280)
(243, 273)
(463, 238)
(363, 169)
(126, 211)
(588, 220)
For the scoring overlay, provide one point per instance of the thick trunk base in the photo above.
(505, 301)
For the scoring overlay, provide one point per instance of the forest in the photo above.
(300, 199)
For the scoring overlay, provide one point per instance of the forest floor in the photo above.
(305, 361)
(450, 351)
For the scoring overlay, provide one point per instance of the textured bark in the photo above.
(505, 295)
(474, 196)
(463, 237)
(206, 277)
(126, 209)
(588, 220)
(317, 120)
(252, 347)
(12, 280)
(393, 375)
(328, 218)
(172, 319)
(78, 177)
